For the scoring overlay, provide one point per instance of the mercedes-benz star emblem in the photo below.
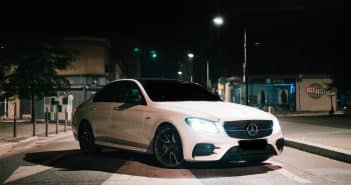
(252, 129)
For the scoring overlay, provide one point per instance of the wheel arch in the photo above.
(158, 127)
(84, 122)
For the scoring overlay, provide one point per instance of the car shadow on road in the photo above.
(136, 164)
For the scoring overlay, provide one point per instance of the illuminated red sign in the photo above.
(315, 90)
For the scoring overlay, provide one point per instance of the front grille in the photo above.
(238, 129)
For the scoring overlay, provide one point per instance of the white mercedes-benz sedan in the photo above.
(176, 121)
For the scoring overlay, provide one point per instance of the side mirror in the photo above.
(133, 99)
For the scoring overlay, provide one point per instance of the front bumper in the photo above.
(224, 147)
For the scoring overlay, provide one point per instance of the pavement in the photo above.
(25, 138)
(319, 134)
(316, 133)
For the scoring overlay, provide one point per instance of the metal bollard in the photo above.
(14, 122)
(57, 122)
(66, 117)
(34, 127)
(46, 122)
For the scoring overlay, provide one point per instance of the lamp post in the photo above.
(190, 66)
(245, 80)
(218, 22)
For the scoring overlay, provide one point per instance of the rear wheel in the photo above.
(168, 147)
(86, 139)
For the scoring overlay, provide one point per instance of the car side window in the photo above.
(130, 93)
(109, 93)
(122, 91)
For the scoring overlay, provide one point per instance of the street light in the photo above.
(218, 21)
(189, 66)
(190, 55)
(245, 80)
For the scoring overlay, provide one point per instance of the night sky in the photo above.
(295, 36)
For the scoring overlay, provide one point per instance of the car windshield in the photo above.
(177, 91)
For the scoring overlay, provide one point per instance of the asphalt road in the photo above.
(60, 162)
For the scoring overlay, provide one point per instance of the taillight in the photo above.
(75, 110)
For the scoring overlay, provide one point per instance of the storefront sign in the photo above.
(315, 90)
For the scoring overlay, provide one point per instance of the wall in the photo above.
(304, 101)
(92, 59)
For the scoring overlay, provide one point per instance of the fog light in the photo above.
(280, 144)
(203, 149)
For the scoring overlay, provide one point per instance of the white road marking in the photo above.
(26, 171)
(288, 174)
(293, 177)
(120, 179)
(181, 176)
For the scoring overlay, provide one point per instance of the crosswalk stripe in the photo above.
(181, 176)
(26, 171)
(293, 176)
(288, 174)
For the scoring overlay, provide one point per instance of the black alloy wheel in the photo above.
(168, 147)
(86, 139)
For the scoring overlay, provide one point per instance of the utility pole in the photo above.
(208, 74)
(245, 80)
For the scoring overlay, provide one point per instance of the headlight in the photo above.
(202, 125)
(276, 126)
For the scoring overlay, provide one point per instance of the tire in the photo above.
(168, 147)
(86, 139)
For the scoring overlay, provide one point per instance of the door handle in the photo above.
(116, 108)
(148, 117)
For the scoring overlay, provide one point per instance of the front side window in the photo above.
(121, 91)
(109, 93)
(130, 93)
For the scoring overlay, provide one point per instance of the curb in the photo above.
(323, 150)
(307, 114)
(8, 147)
(11, 145)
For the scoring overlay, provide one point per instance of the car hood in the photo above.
(224, 111)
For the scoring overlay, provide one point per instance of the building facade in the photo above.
(95, 66)
(283, 93)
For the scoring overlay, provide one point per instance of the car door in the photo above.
(100, 113)
(127, 116)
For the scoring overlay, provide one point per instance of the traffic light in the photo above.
(153, 54)
(136, 50)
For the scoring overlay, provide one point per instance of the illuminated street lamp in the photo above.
(218, 21)
(190, 55)
(189, 68)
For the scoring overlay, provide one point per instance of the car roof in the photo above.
(143, 80)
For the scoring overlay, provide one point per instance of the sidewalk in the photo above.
(323, 135)
(308, 113)
(25, 139)
(25, 129)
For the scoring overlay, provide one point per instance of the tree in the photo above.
(3, 68)
(33, 75)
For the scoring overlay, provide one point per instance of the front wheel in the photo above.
(86, 139)
(168, 147)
